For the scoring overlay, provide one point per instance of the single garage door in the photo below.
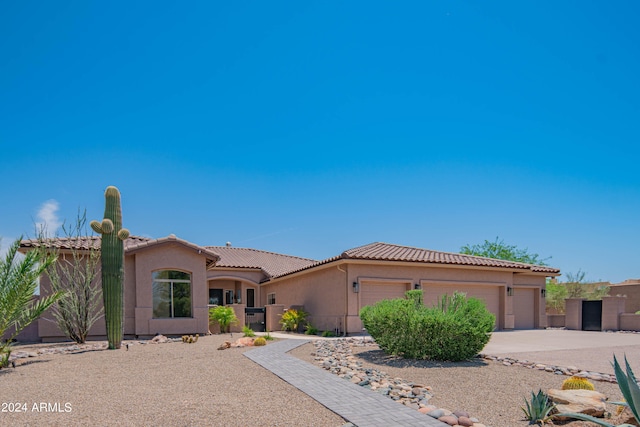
(489, 294)
(372, 292)
(524, 307)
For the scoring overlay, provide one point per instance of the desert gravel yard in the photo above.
(181, 384)
(171, 384)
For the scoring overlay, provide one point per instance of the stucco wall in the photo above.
(633, 296)
(170, 256)
(321, 292)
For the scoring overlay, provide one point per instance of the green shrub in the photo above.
(328, 334)
(292, 319)
(224, 315)
(248, 332)
(310, 329)
(456, 329)
(268, 337)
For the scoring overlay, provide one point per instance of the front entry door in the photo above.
(251, 297)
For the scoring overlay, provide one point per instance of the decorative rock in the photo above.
(465, 421)
(159, 339)
(436, 413)
(458, 413)
(579, 401)
(449, 419)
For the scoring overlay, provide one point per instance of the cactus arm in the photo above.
(96, 226)
(123, 234)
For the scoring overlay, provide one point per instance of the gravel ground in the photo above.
(195, 384)
(489, 391)
(155, 384)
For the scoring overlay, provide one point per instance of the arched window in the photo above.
(171, 294)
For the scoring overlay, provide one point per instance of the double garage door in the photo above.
(523, 298)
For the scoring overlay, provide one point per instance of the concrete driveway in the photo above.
(590, 351)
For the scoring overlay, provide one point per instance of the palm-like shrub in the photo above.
(224, 315)
(456, 329)
(292, 319)
(18, 282)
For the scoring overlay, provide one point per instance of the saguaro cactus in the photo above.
(112, 256)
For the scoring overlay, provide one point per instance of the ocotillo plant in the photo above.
(112, 258)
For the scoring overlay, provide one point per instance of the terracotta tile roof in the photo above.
(273, 264)
(82, 243)
(172, 238)
(132, 243)
(388, 252)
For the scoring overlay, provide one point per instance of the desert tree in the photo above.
(19, 306)
(498, 249)
(76, 276)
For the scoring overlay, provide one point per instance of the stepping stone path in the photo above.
(337, 357)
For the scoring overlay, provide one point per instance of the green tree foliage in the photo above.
(75, 275)
(556, 294)
(456, 329)
(498, 249)
(224, 315)
(575, 284)
(18, 283)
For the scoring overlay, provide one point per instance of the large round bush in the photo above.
(456, 329)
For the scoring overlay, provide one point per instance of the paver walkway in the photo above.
(355, 404)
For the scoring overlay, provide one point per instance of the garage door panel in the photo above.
(370, 293)
(489, 294)
(524, 308)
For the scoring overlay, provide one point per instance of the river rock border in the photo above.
(336, 356)
(558, 370)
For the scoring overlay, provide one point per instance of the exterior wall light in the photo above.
(543, 293)
(509, 291)
(356, 287)
(417, 286)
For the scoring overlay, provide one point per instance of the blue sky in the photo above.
(309, 128)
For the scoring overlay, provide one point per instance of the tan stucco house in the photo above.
(170, 284)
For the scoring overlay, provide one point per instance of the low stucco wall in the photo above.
(28, 334)
(630, 322)
(555, 320)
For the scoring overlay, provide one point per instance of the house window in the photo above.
(271, 298)
(171, 294)
(228, 297)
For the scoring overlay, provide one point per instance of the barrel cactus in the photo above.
(577, 383)
(112, 258)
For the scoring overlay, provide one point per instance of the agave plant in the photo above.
(630, 391)
(538, 410)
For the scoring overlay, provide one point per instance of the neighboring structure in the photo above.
(630, 288)
(171, 283)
